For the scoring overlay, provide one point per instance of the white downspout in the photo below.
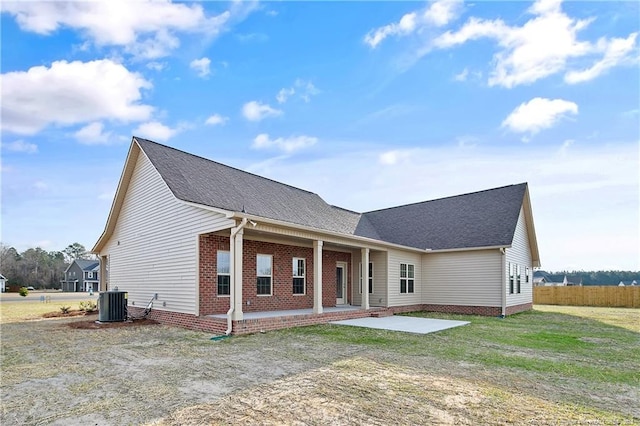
(504, 283)
(232, 261)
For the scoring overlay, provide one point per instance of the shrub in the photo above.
(65, 309)
(23, 291)
(88, 306)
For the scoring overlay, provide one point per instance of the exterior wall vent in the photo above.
(112, 306)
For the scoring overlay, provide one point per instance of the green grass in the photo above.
(554, 345)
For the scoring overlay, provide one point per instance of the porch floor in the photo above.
(293, 312)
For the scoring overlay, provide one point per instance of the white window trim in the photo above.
(224, 275)
(407, 278)
(370, 278)
(303, 276)
(511, 278)
(270, 256)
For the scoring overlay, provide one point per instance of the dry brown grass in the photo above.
(363, 391)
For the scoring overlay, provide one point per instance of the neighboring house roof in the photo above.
(632, 282)
(2, 277)
(480, 219)
(87, 265)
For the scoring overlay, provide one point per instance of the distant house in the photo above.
(572, 280)
(626, 283)
(217, 247)
(82, 275)
(3, 283)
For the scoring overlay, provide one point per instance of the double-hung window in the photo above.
(298, 275)
(407, 278)
(224, 273)
(370, 277)
(264, 273)
(518, 278)
(512, 278)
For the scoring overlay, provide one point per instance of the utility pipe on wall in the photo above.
(232, 261)
(504, 283)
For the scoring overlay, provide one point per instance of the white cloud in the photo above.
(462, 76)
(393, 157)
(538, 114)
(201, 66)
(216, 120)
(156, 66)
(288, 145)
(93, 134)
(541, 47)
(20, 146)
(143, 28)
(284, 94)
(437, 14)
(156, 131)
(616, 51)
(256, 111)
(304, 88)
(67, 94)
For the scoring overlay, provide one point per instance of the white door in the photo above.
(341, 283)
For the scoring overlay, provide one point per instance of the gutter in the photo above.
(232, 262)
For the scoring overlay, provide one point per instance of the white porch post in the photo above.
(237, 275)
(317, 277)
(102, 286)
(365, 278)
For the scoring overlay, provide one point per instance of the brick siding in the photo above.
(282, 297)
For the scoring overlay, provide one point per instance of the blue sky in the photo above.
(369, 104)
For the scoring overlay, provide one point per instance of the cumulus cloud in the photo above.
(201, 66)
(28, 96)
(437, 14)
(541, 47)
(144, 28)
(156, 131)
(539, 114)
(256, 111)
(216, 120)
(20, 146)
(93, 134)
(288, 145)
(284, 94)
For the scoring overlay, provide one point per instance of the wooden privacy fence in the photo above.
(610, 296)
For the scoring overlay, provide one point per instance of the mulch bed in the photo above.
(95, 325)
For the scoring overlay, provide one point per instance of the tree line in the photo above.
(602, 277)
(37, 267)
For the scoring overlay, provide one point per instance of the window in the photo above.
(518, 272)
(407, 278)
(224, 273)
(511, 278)
(263, 271)
(370, 277)
(298, 275)
(527, 271)
(89, 274)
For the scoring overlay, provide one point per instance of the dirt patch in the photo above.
(72, 313)
(96, 325)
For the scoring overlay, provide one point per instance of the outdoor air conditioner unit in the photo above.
(112, 306)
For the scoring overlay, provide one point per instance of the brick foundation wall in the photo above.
(491, 311)
(178, 319)
(282, 297)
(519, 308)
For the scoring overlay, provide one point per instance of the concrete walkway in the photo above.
(402, 323)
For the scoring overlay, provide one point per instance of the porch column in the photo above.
(237, 275)
(102, 280)
(365, 278)
(317, 277)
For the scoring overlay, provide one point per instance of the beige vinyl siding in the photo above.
(520, 253)
(466, 278)
(379, 296)
(154, 246)
(396, 257)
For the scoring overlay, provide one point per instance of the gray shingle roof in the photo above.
(87, 265)
(198, 180)
(480, 219)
